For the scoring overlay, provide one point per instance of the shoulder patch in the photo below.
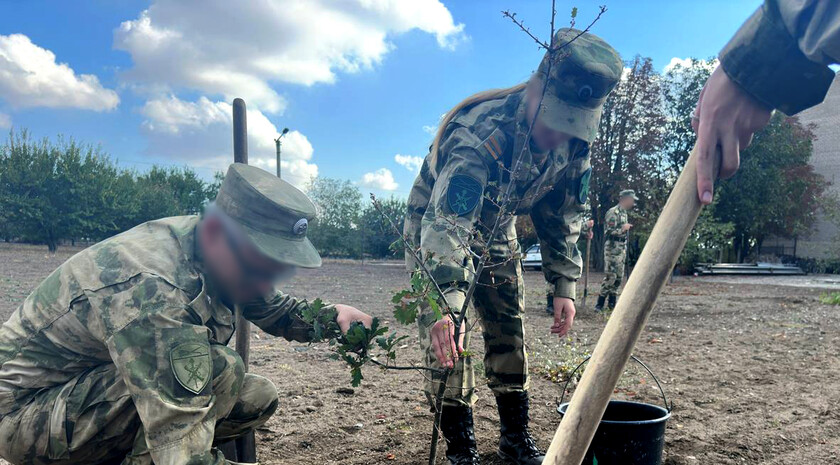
(191, 365)
(583, 186)
(463, 194)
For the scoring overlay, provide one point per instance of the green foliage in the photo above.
(775, 191)
(65, 190)
(355, 348)
(830, 298)
(335, 233)
(377, 234)
(324, 326)
(681, 86)
(407, 302)
(706, 240)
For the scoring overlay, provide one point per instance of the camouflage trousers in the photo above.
(614, 253)
(92, 419)
(499, 303)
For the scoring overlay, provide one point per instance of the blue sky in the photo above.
(356, 81)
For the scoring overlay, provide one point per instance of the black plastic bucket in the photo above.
(630, 433)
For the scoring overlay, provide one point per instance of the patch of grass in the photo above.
(555, 359)
(830, 298)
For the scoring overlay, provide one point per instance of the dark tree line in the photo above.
(51, 192)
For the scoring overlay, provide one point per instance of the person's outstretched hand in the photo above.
(725, 116)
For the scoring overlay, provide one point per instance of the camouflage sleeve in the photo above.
(612, 225)
(557, 220)
(454, 209)
(162, 351)
(279, 315)
(781, 54)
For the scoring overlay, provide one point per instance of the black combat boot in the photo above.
(612, 301)
(456, 424)
(549, 304)
(599, 307)
(516, 444)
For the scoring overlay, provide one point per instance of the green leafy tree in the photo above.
(378, 237)
(336, 232)
(775, 191)
(681, 86)
(65, 190)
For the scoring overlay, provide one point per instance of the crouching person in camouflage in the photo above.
(469, 165)
(120, 355)
(616, 228)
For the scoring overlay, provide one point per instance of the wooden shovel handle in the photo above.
(655, 265)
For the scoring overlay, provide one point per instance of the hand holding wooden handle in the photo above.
(655, 265)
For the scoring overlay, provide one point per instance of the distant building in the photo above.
(822, 242)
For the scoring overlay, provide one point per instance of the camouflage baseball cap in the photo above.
(273, 214)
(583, 72)
(628, 193)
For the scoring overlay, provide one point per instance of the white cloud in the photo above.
(30, 77)
(240, 52)
(200, 133)
(5, 121)
(677, 62)
(380, 179)
(430, 129)
(411, 163)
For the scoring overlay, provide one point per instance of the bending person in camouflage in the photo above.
(616, 227)
(468, 167)
(121, 354)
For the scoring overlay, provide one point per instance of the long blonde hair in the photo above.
(474, 99)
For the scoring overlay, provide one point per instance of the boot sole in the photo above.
(506, 457)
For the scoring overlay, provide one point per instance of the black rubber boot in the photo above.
(516, 443)
(549, 304)
(456, 424)
(599, 307)
(612, 301)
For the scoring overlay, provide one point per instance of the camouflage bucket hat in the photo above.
(273, 214)
(584, 71)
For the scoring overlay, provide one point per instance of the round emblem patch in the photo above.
(463, 194)
(300, 227)
(585, 92)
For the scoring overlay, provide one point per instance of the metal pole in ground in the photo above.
(586, 272)
(246, 448)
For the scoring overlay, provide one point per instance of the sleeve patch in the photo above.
(191, 365)
(463, 194)
(583, 186)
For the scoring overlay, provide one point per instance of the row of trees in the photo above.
(66, 191)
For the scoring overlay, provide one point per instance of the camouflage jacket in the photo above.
(781, 54)
(615, 218)
(472, 170)
(134, 300)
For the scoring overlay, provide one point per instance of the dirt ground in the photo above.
(752, 369)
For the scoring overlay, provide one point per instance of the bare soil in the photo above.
(752, 369)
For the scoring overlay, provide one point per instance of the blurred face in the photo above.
(543, 137)
(627, 203)
(238, 268)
